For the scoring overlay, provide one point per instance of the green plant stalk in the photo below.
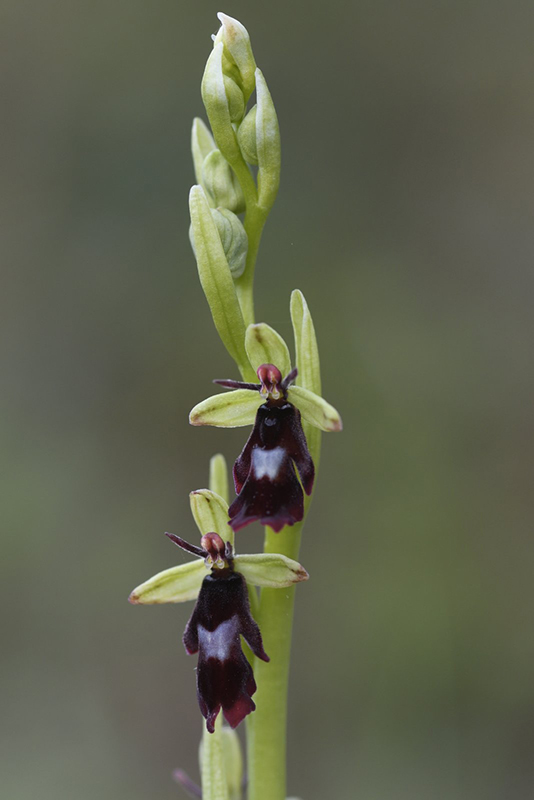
(254, 222)
(214, 782)
(266, 728)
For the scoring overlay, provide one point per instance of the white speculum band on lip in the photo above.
(267, 463)
(218, 643)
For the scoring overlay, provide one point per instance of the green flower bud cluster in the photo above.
(223, 156)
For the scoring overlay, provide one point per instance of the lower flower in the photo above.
(224, 676)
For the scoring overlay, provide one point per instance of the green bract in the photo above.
(219, 476)
(202, 144)
(270, 569)
(216, 280)
(174, 585)
(227, 410)
(267, 144)
(265, 346)
(305, 344)
(218, 107)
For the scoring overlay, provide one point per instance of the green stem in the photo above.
(214, 782)
(266, 728)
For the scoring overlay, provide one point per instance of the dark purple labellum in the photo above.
(264, 474)
(224, 676)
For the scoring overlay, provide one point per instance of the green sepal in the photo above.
(210, 512)
(174, 585)
(314, 409)
(219, 476)
(233, 409)
(202, 143)
(265, 346)
(267, 144)
(270, 569)
(237, 43)
(217, 281)
(217, 105)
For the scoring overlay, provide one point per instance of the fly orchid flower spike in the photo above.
(265, 473)
(222, 612)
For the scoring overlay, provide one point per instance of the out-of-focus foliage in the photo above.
(405, 212)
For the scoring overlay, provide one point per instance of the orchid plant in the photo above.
(243, 637)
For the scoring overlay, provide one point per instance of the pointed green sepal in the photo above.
(314, 409)
(267, 144)
(305, 344)
(202, 144)
(233, 409)
(210, 513)
(217, 281)
(265, 346)
(174, 585)
(219, 476)
(270, 569)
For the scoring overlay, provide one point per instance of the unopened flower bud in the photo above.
(236, 101)
(237, 53)
(234, 239)
(221, 184)
(246, 136)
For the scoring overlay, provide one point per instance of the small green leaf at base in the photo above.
(270, 569)
(174, 585)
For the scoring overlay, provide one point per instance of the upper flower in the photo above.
(265, 473)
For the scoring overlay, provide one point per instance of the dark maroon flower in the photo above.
(265, 479)
(220, 617)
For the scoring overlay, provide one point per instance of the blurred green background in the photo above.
(405, 215)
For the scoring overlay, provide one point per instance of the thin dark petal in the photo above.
(242, 463)
(186, 783)
(290, 377)
(189, 548)
(230, 384)
(251, 633)
(297, 448)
